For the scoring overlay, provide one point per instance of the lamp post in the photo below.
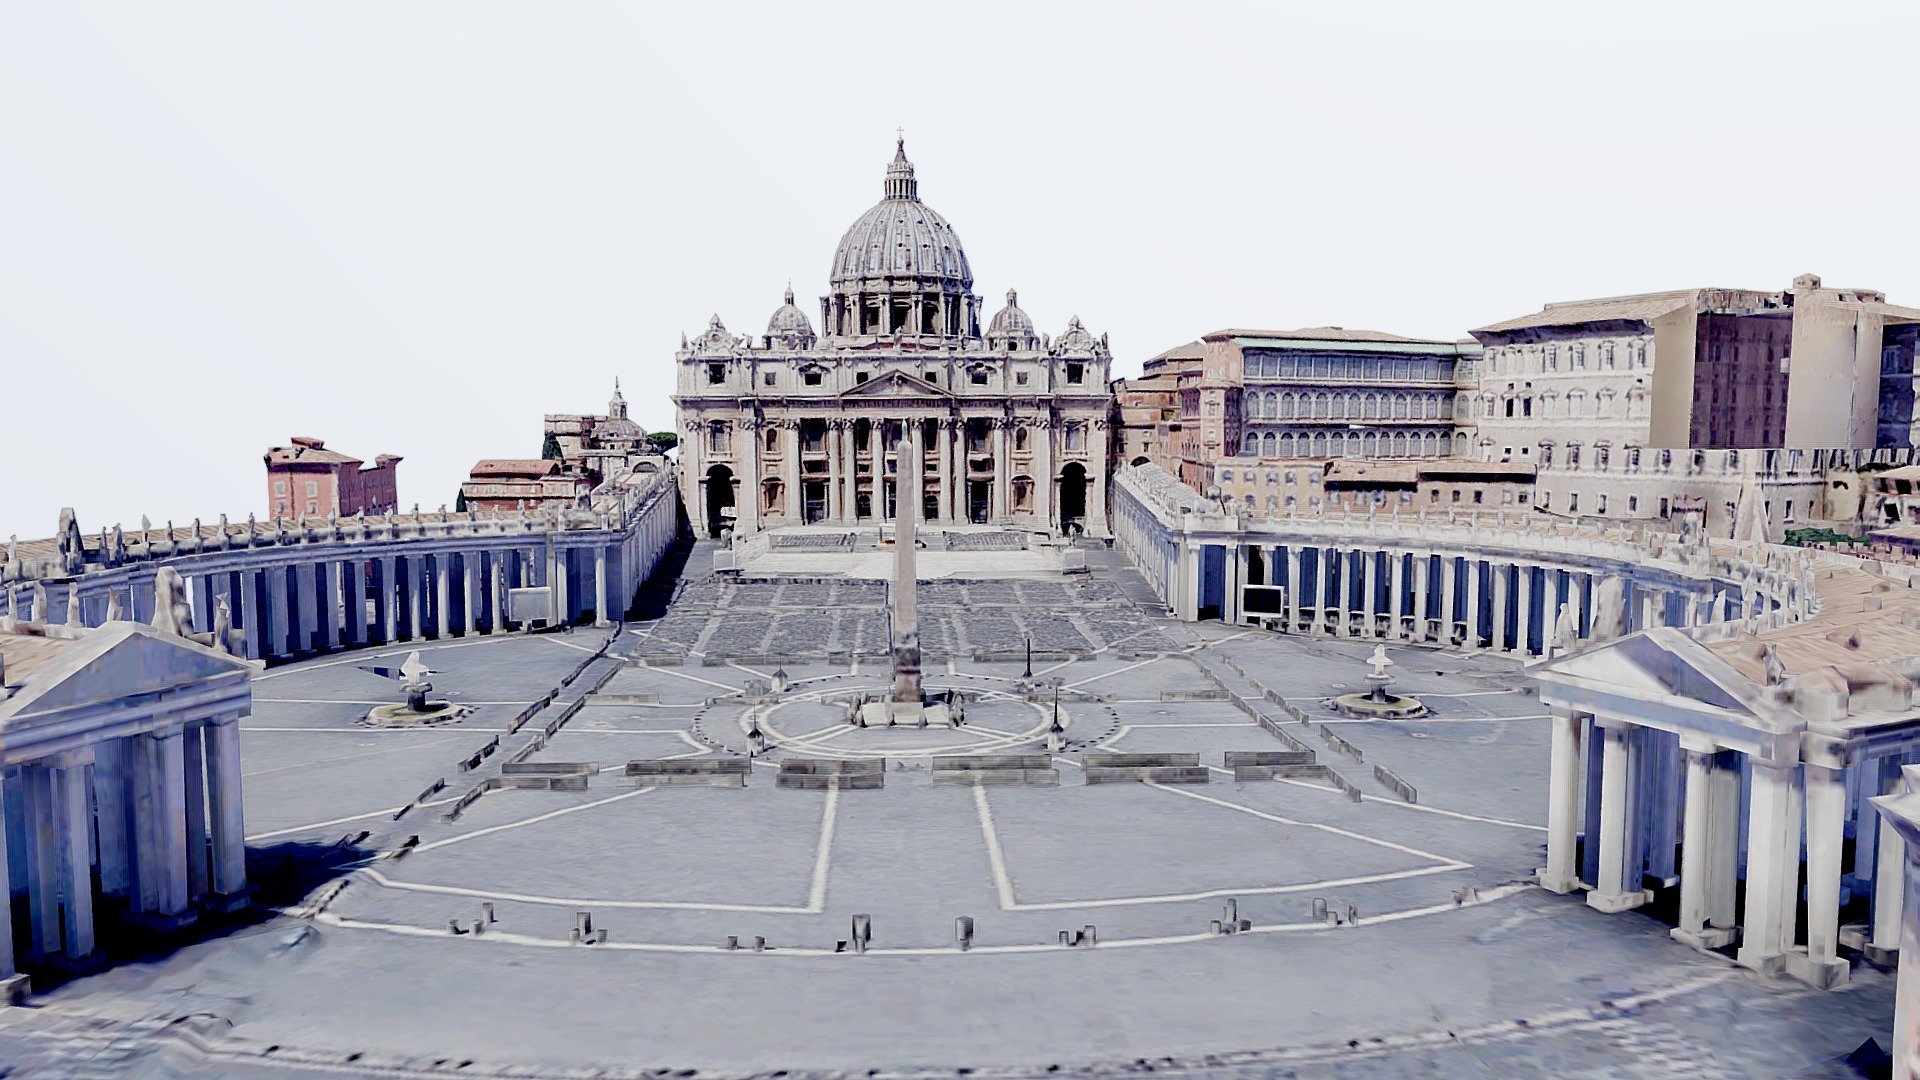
(1028, 673)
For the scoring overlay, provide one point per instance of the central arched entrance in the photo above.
(1073, 499)
(719, 500)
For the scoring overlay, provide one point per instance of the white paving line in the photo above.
(535, 820)
(1407, 721)
(568, 644)
(501, 937)
(1115, 671)
(344, 820)
(1333, 829)
(996, 858)
(823, 854)
(578, 902)
(1421, 807)
(342, 701)
(361, 657)
(330, 761)
(452, 729)
(695, 678)
(1251, 890)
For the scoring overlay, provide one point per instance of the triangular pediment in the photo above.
(117, 661)
(898, 384)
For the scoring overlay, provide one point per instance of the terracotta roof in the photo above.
(1334, 333)
(1192, 350)
(524, 467)
(1643, 308)
(315, 454)
(24, 654)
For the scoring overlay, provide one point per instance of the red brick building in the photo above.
(309, 480)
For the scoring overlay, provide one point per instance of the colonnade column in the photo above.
(1497, 615)
(1449, 596)
(1190, 560)
(1618, 887)
(1293, 588)
(1233, 579)
(1472, 566)
(1370, 603)
(442, 593)
(195, 804)
(1422, 571)
(1826, 802)
(1771, 825)
(600, 616)
(1699, 850)
(160, 849)
(1563, 802)
(1327, 620)
(228, 834)
(1889, 870)
(470, 592)
(110, 800)
(1523, 623)
(1397, 595)
(332, 608)
(13, 986)
(73, 818)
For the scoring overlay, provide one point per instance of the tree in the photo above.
(664, 441)
(550, 450)
(460, 502)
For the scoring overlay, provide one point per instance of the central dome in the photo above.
(901, 237)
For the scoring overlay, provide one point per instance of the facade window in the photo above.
(279, 487)
(1525, 498)
(716, 438)
(1020, 378)
(1573, 503)
(1076, 436)
(1477, 497)
(1076, 372)
(716, 374)
(313, 508)
(1633, 503)
(766, 378)
(933, 377)
(860, 377)
(313, 488)
(977, 376)
(811, 376)
(1456, 495)
(1600, 503)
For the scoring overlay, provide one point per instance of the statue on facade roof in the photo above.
(171, 612)
(113, 605)
(223, 627)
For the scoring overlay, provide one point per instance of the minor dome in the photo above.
(901, 237)
(1011, 324)
(789, 325)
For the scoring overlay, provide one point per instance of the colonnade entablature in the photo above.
(284, 589)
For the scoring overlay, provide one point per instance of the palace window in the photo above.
(933, 377)
(1076, 436)
(716, 374)
(860, 376)
(977, 376)
(313, 488)
(766, 378)
(1076, 372)
(811, 376)
(1020, 378)
(279, 487)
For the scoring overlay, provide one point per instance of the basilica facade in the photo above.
(796, 427)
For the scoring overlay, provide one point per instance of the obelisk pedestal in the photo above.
(907, 704)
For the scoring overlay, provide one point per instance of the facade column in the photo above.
(1700, 852)
(1190, 560)
(43, 861)
(1563, 802)
(332, 609)
(160, 812)
(1889, 871)
(794, 503)
(73, 813)
(1772, 827)
(1449, 597)
(1826, 802)
(385, 618)
(303, 611)
(748, 435)
(1045, 431)
(1370, 603)
(1723, 883)
(1397, 595)
(1618, 887)
(600, 617)
(1000, 502)
(1327, 618)
(229, 834)
(1497, 617)
(852, 460)
(248, 609)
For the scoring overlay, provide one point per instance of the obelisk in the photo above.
(907, 486)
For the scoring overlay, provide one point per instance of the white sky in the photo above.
(417, 227)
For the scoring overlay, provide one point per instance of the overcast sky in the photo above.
(415, 227)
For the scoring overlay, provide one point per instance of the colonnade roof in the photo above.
(61, 670)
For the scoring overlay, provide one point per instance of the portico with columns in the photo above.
(120, 771)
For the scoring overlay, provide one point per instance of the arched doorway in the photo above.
(1139, 461)
(1073, 498)
(719, 500)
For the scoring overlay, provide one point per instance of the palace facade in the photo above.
(798, 428)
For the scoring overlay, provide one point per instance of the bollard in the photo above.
(453, 926)
(583, 922)
(839, 946)
(1319, 907)
(1066, 938)
(479, 928)
(759, 944)
(573, 936)
(963, 932)
(733, 942)
(600, 936)
(862, 932)
(1353, 914)
(1232, 911)
(1089, 935)
(486, 911)
(1214, 927)
(1246, 924)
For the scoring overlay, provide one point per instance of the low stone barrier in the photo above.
(995, 769)
(546, 775)
(1109, 768)
(818, 774)
(721, 772)
(1398, 786)
(1339, 744)
(1194, 695)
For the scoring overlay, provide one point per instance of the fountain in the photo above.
(417, 710)
(1376, 703)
